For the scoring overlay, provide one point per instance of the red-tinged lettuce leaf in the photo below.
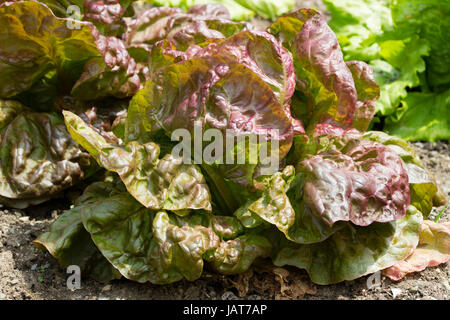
(35, 42)
(214, 92)
(210, 10)
(264, 55)
(69, 243)
(282, 204)
(432, 250)
(422, 185)
(333, 92)
(354, 251)
(38, 158)
(349, 179)
(114, 74)
(107, 15)
(368, 93)
(164, 183)
(185, 29)
(287, 26)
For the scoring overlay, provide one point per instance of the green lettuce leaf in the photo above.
(162, 248)
(282, 205)
(164, 183)
(36, 42)
(355, 251)
(433, 249)
(69, 243)
(38, 158)
(428, 20)
(422, 116)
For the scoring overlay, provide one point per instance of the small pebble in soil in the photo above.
(14, 281)
(228, 295)
(106, 288)
(396, 292)
(446, 285)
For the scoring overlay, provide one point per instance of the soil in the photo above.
(27, 273)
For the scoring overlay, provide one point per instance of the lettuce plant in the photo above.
(340, 202)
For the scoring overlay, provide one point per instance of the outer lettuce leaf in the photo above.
(433, 249)
(35, 42)
(422, 185)
(164, 183)
(38, 158)
(348, 179)
(161, 247)
(355, 251)
(423, 116)
(70, 244)
(237, 255)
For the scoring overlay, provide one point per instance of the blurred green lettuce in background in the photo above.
(407, 43)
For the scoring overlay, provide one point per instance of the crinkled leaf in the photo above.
(161, 247)
(355, 251)
(107, 15)
(164, 183)
(432, 250)
(35, 42)
(114, 74)
(184, 29)
(122, 229)
(282, 204)
(422, 185)
(264, 55)
(324, 79)
(212, 92)
(237, 255)
(38, 158)
(353, 180)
